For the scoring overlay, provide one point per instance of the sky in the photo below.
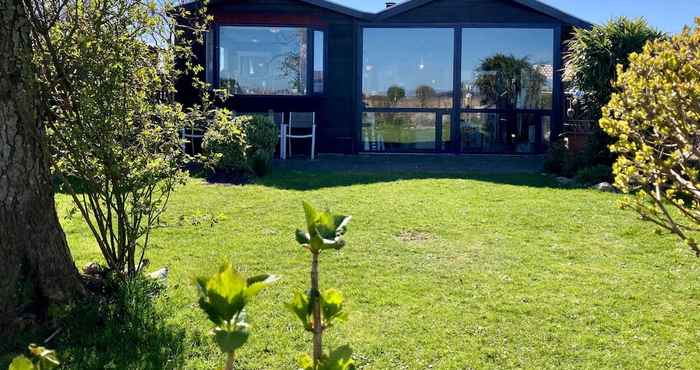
(667, 15)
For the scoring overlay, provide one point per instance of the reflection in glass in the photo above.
(392, 131)
(509, 68)
(407, 67)
(318, 61)
(446, 132)
(500, 132)
(263, 60)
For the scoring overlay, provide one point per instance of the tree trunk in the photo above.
(35, 263)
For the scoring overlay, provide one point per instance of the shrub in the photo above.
(591, 66)
(655, 120)
(262, 136)
(226, 140)
(594, 175)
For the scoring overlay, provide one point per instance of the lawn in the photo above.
(441, 271)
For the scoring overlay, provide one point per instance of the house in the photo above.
(435, 76)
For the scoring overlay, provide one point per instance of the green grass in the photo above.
(441, 272)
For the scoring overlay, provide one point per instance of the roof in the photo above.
(342, 9)
(411, 4)
(532, 4)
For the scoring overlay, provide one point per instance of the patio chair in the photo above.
(305, 121)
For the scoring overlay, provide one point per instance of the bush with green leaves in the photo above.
(43, 359)
(655, 122)
(318, 312)
(225, 140)
(108, 71)
(591, 62)
(223, 298)
(262, 136)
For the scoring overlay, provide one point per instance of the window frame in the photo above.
(216, 29)
(455, 112)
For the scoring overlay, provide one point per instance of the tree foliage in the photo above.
(593, 55)
(395, 93)
(502, 77)
(109, 71)
(655, 121)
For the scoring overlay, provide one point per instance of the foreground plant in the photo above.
(44, 359)
(223, 298)
(655, 120)
(108, 72)
(317, 311)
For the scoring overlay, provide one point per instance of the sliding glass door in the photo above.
(496, 95)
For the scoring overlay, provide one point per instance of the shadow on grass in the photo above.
(123, 329)
(338, 171)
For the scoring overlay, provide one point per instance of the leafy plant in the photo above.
(262, 136)
(109, 71)
(591, 64)
(223, 298)
(318, 312)
(655, 120)
(44, 359)
(225, 139)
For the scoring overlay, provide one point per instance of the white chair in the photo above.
(302, 120)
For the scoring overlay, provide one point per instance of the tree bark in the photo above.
(36, 266)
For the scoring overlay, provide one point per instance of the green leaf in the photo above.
(231, 340)
(325, 229)
(258, 283)
(301, 307)
(311, 216)
(21, 363)
(47, 358)
(332, 307)
(306, 362)
(302, 237)
(225, 294)
(338, 359)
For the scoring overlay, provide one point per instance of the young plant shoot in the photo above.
(223, 298)
(317, 311)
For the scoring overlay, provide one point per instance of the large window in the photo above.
(507, 68)
(407, 67)
(269, 60)
(504, 104)
(319, 58)
(398, 131)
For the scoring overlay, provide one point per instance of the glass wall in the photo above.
(505, 101)
(319, 57)
(263, 60)
(398, 131)
(407, 67)
(507, 68)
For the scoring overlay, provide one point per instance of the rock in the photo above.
(92, 268)
(161, 275)
(564, 180)
(605, 187)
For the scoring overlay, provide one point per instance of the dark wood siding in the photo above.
(471, 11)
(335, 108)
